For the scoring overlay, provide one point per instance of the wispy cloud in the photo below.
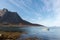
(56, 10)
(54, 7)
(48, 14)
(45, 12)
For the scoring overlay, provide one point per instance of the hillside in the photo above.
(12, 18)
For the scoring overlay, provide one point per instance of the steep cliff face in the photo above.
(11, 18)
(8, 17)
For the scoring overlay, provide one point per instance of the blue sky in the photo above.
(45, 12)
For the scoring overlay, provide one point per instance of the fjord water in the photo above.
(41, 32)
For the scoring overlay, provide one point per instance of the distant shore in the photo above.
(19, 25)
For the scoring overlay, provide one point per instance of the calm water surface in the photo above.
(42, 32)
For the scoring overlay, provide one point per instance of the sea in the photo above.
(44, 33)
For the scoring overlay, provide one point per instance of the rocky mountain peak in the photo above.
(8, 17)
(2, 12)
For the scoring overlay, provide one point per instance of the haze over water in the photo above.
(39, 32)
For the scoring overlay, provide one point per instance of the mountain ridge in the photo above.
(8, 17)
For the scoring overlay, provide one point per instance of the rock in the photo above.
(12, 18)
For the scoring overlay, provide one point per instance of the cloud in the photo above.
(46, 12)
(56, 11)
(54, 6)
(52, 11)
(21, 4)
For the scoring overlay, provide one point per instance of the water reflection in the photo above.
(34, 32)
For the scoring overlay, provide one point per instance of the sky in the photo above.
(45, 12)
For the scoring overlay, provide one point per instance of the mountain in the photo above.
(12, 18)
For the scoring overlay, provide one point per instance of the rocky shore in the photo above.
(9, 35)
(14, 36)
